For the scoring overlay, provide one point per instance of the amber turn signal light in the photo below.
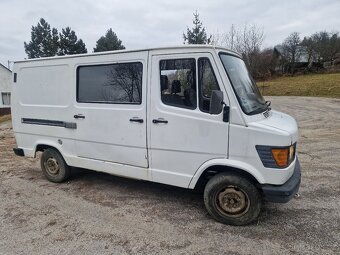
(281, 156)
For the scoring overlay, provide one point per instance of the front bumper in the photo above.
(285, 192)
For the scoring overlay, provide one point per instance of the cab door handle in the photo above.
(159, 120)
(137, 120)
(79, 116)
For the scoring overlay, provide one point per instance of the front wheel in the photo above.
(54, 166)
(232, 199)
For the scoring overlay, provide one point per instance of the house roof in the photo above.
(1, 65)
(301, 50)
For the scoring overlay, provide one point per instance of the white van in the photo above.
(187, 116)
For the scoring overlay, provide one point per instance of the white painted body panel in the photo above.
(176, 153)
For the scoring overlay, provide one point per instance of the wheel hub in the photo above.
(232, 201)
(52, 166)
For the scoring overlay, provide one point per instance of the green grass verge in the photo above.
(315, 85)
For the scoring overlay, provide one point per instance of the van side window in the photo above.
(206, 83)
(6, 98)
(178, 83)
(111, 84)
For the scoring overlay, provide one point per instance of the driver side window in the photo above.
(178, 82)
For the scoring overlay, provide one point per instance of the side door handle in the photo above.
(135, 119)
(159, 120)
(79, 116)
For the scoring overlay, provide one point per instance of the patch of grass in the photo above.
(316, 85)
(5, 118)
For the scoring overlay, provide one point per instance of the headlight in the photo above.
(276, 157)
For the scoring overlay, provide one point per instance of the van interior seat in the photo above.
(164, 82)
(171, 98)
(176, 87)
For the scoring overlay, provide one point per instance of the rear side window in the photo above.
(111, 84)
(6, 98)
(178, 83)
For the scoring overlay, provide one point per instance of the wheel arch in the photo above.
(213, 167)
(42, 145)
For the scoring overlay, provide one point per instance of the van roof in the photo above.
(191, 47)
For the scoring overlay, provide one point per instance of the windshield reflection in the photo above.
(245, 88)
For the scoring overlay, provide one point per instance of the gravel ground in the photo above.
(95, 213)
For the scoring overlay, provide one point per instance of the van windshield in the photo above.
(245, 88)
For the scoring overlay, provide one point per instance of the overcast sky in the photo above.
(149, 23)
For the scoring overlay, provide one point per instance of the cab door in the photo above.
(182, 133)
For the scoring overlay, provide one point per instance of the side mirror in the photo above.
(216, 102)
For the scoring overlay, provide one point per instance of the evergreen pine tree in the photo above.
(69, 43)
(109, 42)
(196, 35)
(44, 41)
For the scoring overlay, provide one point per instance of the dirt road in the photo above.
(95, 213)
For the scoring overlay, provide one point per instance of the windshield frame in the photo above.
(257, 111)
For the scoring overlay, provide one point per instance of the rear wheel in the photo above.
(54, 166)
(232, 199)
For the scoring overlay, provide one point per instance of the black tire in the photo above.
(54, 166)
(232, 199)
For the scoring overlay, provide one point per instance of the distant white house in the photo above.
(5, 90)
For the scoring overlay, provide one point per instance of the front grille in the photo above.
(266, 114)
(265, 153)
(266, 156)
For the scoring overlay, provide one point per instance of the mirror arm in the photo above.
(226, 112)
(269, 103)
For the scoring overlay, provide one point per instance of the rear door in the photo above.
(110, 110)
(183, 135)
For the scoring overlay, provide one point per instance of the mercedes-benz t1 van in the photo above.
(187, 116)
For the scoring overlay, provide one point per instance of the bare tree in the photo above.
(226, 39)
(310, 49)
(327, 45)
(247, 41)
(291, 50)
(265, 64)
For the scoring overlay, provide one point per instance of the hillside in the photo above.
(316, 85)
